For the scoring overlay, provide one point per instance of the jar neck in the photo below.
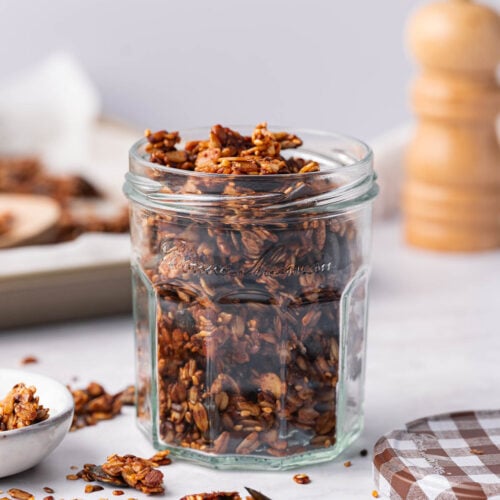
(346, 179)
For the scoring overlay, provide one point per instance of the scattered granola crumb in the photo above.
(20, 494)
(363, 452)
(48, 489)
(161, 458)
(475, 451)
(302, 479)
(117, 493)
(28, 360)
(72, 477)
(347, 463)
(74, 467)
(94, 404)
(49, 497)
(90, 488)
(375, 494)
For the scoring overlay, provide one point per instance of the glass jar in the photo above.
(250, 306)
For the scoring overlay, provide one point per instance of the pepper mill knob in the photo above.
(451, 196)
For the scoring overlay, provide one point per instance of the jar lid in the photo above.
(452, 456)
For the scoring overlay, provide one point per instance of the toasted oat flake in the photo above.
(347, 463)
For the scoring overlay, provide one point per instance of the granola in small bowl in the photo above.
(35, 415)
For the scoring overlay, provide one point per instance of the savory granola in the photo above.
(128, 470)
(247, 307)
(21, 408)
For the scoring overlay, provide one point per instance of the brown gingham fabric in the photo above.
(445, 457)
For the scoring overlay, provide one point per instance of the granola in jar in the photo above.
(250, 272)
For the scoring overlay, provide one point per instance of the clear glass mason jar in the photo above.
(250, 305)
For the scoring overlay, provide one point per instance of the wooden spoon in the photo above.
(34, 219)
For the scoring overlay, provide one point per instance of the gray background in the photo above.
(326, 64)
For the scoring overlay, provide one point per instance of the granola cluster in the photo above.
(94, 404)
(128, 471)
(228, 152)
(21, 408)
(247, 304)
(27, 175)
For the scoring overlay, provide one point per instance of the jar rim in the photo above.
(345, 178)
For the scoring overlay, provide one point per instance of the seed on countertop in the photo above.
(20, 494)
(347, 463)
(363, 452)
(50, 497)
(117, 493)
(28, 360)
(90, 488)
(72, 477)
(47, 489)
(375, 494)
(256, 495)
(302, 479)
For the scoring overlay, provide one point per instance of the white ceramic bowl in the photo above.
(23, 448)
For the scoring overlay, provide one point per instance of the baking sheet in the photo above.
(89, 276)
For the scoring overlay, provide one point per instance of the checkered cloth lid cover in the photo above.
(444, 457)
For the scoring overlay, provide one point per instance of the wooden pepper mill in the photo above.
(451, 196)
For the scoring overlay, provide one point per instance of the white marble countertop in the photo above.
(434, 346)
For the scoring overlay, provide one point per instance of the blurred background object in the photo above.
(452, 191)
(337, 66)
(61, 171)
(79, 81)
